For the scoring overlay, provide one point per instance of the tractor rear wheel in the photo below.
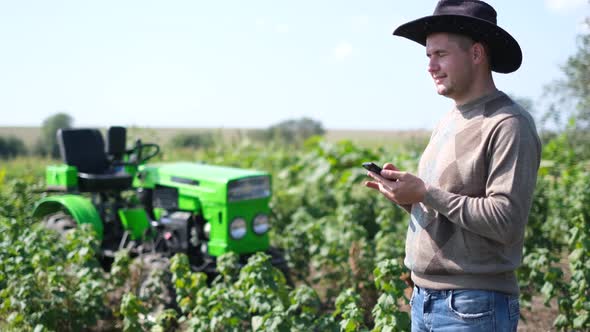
(60, 222)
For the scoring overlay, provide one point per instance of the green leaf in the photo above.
(582, 321)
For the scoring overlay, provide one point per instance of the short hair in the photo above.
(465, 42)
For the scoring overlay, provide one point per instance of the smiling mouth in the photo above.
(438, 79)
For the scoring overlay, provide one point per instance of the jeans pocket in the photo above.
(412, 297)
(471, 304)
(513, 308)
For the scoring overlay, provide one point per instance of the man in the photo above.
(470, 202)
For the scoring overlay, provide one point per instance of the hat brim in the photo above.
(506, 54)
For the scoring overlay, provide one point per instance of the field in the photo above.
(163, 135)
(344, 248)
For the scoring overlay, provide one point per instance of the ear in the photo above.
(478, 53)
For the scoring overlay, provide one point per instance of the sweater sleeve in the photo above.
(513, 160)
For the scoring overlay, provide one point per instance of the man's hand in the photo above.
(399, 187)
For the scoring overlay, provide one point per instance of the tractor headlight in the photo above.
(248, 188)
(207, 230)
(237, 228)
(261, 224)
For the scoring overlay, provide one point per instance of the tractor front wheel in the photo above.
(60, 222)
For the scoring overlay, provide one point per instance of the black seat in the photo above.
(85, 149)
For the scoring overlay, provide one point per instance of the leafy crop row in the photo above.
(344, 246)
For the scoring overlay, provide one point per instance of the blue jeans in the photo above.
(463, 310)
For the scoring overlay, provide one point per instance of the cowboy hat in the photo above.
(472, 18)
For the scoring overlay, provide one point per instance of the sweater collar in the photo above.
(479, 101)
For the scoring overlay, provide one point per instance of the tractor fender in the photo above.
(79, 207)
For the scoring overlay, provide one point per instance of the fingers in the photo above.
(399, 187)
(379, 179)
(392, 174)
(382, 188)
(371, 184)
(375, 176)
(390, 166)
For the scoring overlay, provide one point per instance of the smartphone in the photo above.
(372, 167)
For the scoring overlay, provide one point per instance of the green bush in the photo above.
(47, 143)
(11, 147)
(193, 140)
(290, 131)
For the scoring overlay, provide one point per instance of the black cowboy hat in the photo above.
(472, 18)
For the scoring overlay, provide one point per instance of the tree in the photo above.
(569, 99)
(194, 140)
(525, 102)
(291, 131)
(47, 144)
(11, 147)
(573, 91)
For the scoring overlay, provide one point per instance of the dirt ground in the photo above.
(539, 318)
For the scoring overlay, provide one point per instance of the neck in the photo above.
(478, 89)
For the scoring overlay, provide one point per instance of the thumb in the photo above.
(390, 166)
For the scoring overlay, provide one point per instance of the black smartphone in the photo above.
(372, 167)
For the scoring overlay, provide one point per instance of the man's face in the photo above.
(450, 64)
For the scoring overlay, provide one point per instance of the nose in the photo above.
(433, 66)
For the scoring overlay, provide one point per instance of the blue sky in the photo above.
(246, 64)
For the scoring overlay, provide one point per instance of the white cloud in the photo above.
(343, 50)
(282, 28)
(563, 5)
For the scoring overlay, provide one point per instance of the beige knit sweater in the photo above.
(481, 168)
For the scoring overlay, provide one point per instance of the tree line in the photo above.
(294, 131)
(46, 144)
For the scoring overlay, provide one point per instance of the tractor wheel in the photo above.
(60, 222)
(155, 287)
(279, 261)
(63, 224)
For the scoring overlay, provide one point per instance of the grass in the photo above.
(24, 167)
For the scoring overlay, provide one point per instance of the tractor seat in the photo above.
(85, 149)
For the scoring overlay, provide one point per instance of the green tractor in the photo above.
(201, 210)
